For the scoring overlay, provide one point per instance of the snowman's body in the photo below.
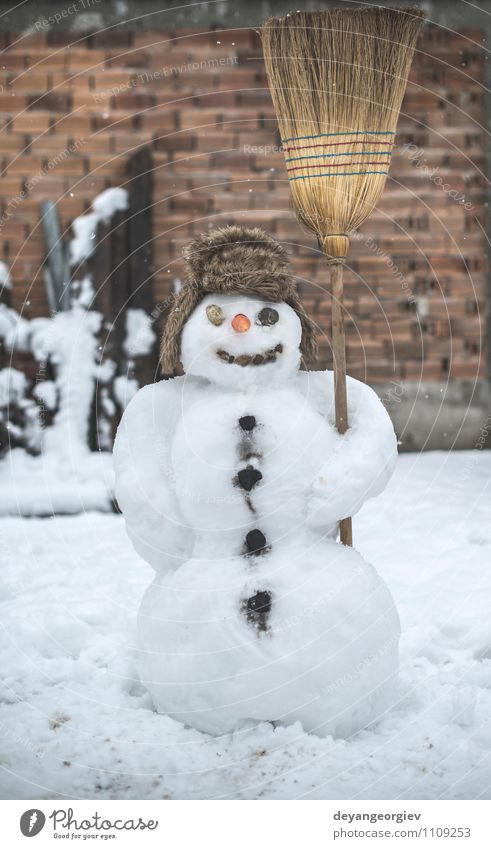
(232, 481)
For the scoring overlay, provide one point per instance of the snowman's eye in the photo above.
(215, 314)
(267, 317)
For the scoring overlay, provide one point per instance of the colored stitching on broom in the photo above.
(347, 133)
(332, 165)
(339, 174)
(337, 144)
(345, 153)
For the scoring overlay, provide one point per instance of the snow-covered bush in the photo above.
(81, 374)
(19, 418)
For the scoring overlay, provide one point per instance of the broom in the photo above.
(337, 79)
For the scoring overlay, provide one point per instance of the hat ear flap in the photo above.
(170, 350)
(308, 343)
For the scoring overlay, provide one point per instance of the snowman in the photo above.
(232, 480)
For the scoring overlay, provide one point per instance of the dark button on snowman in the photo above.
(232, 479)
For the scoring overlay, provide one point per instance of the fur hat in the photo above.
(233, 260)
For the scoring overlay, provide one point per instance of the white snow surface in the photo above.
(140, 336)
(66, 477)
(124, 389)
(84, 227)
(5, 280)
(110, 201)
(75, 722)
(14, 330)
(13, 384)
(55, 482)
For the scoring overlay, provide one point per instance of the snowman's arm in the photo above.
(362, 459)
(143, 476)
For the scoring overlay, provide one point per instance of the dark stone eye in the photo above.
(267, 317)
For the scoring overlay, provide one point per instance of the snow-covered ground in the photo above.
(74, 722)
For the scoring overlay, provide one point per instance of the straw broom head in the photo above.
(337, 79)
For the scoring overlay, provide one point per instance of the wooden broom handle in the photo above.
(339, 354)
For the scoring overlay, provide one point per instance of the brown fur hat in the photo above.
(233, 260)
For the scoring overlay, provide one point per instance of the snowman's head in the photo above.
(238, 314)
(232, 339)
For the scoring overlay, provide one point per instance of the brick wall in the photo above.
(73, 108)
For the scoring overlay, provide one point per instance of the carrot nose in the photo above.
(241, 323)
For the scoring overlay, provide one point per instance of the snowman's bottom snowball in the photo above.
(328, 659)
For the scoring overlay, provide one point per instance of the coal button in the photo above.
(255, 541)
(247, 422)
(249, 477)
(258, 608)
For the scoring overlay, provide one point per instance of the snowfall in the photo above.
(76, 723)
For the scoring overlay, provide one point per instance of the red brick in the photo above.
(107, 165)
(111, 37)
(84, 103)
(238, 38)
(11, 104)
(50, 185)
(15, 62)
(160, 120)
(193, 39)
(135, 59)
(43, 57)
(51, 101)
(86, 187)
(79, 58)
(12, 145)
(215, 142)
(31, 122)
(241, 79)
(111, 121)
(144, 39)
(193, 118)
(174, 142)
(27, 83)
(25, 165)
(135, 100)
(62, 38)
(124, 143)
(218, 100)
(255, 97)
